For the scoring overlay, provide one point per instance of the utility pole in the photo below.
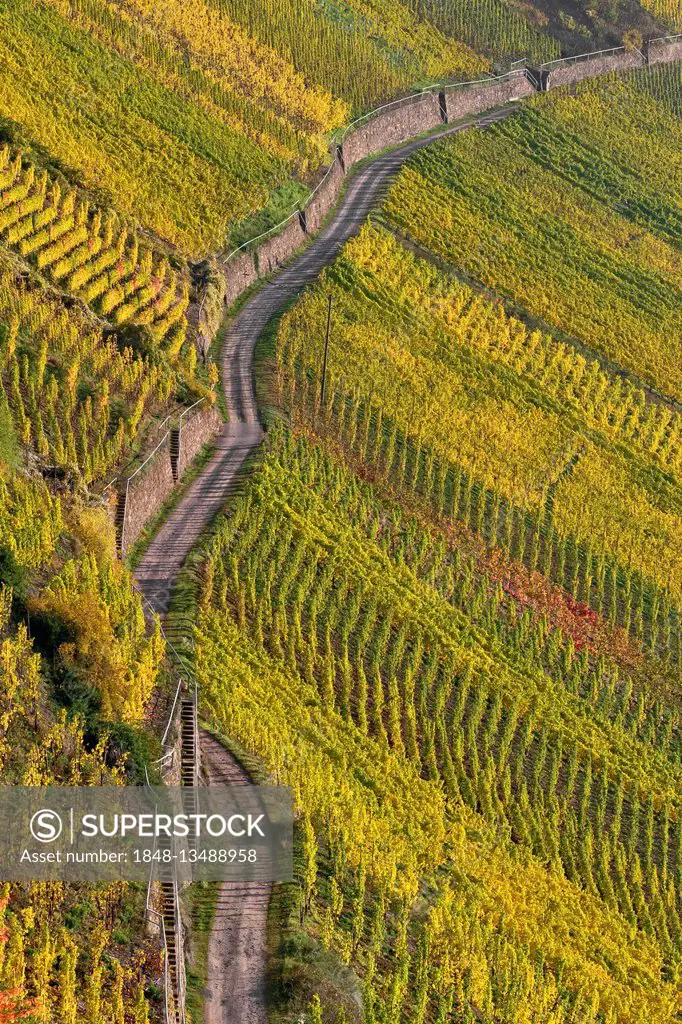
(326, 352)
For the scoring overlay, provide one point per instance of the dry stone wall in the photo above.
(392, 126)
(565, 74)
(659, 51)
(324, 198)
(277, 250)
(195, 433)
(240, 274)
(150, 488)
(474, 99)
(412, 117)
(146, 493)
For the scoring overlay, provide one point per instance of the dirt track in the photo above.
(164, 557)
(237, 960)
(236, 984)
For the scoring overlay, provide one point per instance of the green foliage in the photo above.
(9, 448)
(388, 663)
(553, 215)
(518, 436)
(490, 26)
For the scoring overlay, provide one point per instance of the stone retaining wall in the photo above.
(564, 74)
(463, 101)
(324, 198)
(409, 119)
(277, 250)
(659, 51)
(391, 127)
(153, 485)
(195, 432)
(240, 274)
(146, 494)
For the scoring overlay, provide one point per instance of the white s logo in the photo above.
(46, 826)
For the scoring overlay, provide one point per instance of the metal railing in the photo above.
(338, 139)
(592, 55)
(189, 409)
(164, 763)
(414, 97)
(139, 469)
(666, 39)
(132, 477)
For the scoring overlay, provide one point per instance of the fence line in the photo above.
(591, 55)
(406, 101)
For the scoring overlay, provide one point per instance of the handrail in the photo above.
(178, 657)
(665, 39)
(337, 140)
(196, 733)
(189, 409)
(155, 430)
(177, 920)
(132, 477)
(438, 86)
(583, 56)
(264, 234)
(149, 457)
(172, 711)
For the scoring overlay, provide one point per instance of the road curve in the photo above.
(237, 955)
(159, 568)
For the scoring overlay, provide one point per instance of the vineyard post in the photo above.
(326, 352)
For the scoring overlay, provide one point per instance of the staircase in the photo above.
(170, 912)
(167, 872)
(189, 757)
(120, 519)
(175, 451)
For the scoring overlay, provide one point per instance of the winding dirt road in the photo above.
(237, 953)
(166, 554)
(236, 984)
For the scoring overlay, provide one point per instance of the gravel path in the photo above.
(237, 956)
(164, 557)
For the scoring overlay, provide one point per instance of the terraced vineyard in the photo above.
(574, 221)
(445, 605)
(447, 608)
(392, 656)
(196, 117)
(91, 254)
(48, 352)
(509, 431)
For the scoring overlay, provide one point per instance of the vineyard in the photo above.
(489, 27)
(70, 394)
(669, 11)
(577, 475)
(190, 136)
(445, 603)
(89, 253)
(65, 950)
(510, 750)
(557, 234)
(92, 350)
(312, 64)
